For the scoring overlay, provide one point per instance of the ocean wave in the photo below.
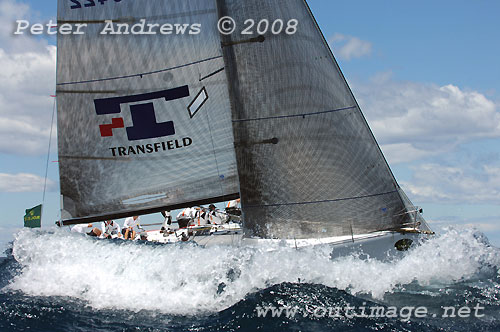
(188, 279)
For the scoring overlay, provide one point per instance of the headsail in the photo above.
(308, 164)
(143, 120)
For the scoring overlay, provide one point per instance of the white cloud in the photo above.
(484, 227)
(444, 184)
(348, 47)
(24, 182)
(27, 80)
(403, 152)
(416, 120)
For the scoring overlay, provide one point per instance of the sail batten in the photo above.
(140, 75)
(320, 201)
(303, 115)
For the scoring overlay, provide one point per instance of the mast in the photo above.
(246, 165)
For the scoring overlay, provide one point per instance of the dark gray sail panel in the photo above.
(308, 163)
(142, 122)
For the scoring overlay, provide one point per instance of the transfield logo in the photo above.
(144, 122)
(143, 115)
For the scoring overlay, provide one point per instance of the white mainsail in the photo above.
(142, 123)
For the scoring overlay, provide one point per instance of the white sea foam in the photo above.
(189, 279)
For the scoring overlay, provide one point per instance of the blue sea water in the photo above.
(57, 281)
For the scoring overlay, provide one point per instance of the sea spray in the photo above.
(189, 279)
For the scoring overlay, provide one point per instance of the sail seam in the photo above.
(322, 201)
(141, 74)
(295, 115)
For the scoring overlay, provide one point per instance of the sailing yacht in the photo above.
(172, 119)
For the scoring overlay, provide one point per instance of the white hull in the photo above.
(380, 245)
(227, 234)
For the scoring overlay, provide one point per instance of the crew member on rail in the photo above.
(167, 221)
(97, 231)
(185, 217)
(80, 228)
(128, 227)
(233, 207)
(215, 217)
(111, 230)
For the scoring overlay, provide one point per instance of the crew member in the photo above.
(215, 217)
(233, 207)
(80, 228)
(128, 227)
(185, 216)
(167, 221)
(111, 229)
(96, 231)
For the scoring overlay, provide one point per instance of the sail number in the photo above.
(276, 27)
(88, 3)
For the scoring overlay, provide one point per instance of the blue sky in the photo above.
(425, 74)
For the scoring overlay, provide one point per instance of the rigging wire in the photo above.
(48, 152)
